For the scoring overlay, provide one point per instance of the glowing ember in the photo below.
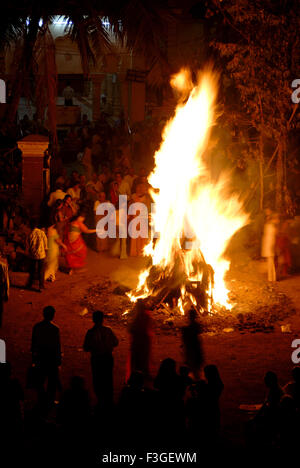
(195, 217)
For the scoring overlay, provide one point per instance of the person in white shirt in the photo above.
(269, 243)
(58, 194)
(36, 247)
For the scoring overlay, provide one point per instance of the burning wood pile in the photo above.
(171, 288)
(195, 217)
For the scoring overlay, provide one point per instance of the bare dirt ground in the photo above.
(243, 355)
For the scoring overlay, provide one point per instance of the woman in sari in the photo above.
(68, 212)
(52, 258)
(76, 248)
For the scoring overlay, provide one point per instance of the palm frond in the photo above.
(91, 37)
(10, 31)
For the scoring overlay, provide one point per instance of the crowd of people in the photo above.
(106, 172)
(61, 240)
(107, 169)
(172, 406)
(68, 209)
(57, 238)
(163, 408)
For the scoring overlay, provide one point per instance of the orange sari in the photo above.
(76, 248)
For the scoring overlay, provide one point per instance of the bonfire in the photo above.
(194, 217)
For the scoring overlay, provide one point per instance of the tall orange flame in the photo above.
(188, 204)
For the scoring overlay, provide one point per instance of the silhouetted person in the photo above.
(100, 342)
(74, 411)
(11, 395)
(170, 402)
(132, 408)
(215, 388)
(141, 331)
(185, 379)
(288, 423)
(167, 380)
(46, 356)
(263, 429)
(274, 391)
(293, 388)
(138, 412)
(198, 413)
(192, 344)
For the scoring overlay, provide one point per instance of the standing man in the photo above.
(269, 244)
(36, 246)
(46, 357)
(68, 94)
(192, 344)
(100, 342)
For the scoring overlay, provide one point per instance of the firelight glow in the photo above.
(188, 205)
